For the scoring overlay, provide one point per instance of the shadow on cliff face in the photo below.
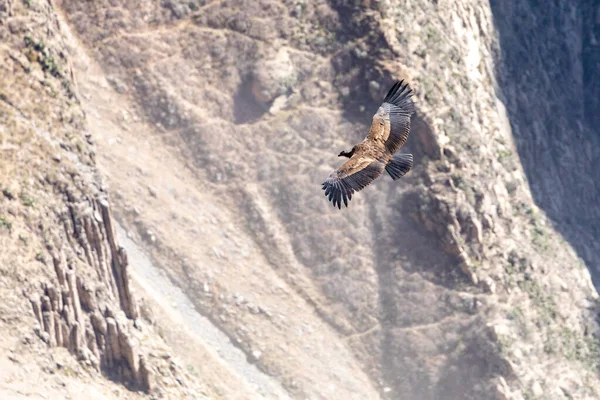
(548, 68)
(417, 281)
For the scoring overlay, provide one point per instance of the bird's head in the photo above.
(345, 154)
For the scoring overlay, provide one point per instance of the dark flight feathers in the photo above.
(340, 186)
(399, 106)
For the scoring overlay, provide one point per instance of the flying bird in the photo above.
(368, 159)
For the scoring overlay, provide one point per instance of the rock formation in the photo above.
(215, 122)
(64, 275)
(79, 314)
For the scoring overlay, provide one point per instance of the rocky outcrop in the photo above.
(450, 284)
(91, 315)
(64, 274)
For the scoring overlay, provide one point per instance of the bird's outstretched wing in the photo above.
(394, 115)
(354, 175)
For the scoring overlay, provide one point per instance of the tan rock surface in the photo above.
(214, 123)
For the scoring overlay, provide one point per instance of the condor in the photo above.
(368, 159)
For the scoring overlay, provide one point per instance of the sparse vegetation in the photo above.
(542, 299)
(457, 180)
(46, 238)
(433, 35)
(43, 56)
(191, 370)
(511, 187)
(516, 263)
(8, 194)
(528, 394)
(574, 346)
(5, 223)
(518, 316)
(26, 200)
(539, 237)
(504, 156)
(505, 343)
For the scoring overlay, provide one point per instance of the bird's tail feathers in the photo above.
(399, 165)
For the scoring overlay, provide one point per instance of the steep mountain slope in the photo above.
(441, 285)
(215, 123)
(210, 253)
(70, 323)
(557, 139)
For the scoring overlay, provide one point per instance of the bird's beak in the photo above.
(341, 154)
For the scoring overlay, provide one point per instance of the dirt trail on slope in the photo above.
(197, 238)
(228, 373)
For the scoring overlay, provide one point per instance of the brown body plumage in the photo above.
(368, 159)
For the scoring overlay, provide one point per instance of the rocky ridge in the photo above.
(64, 275)
(453, 284)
